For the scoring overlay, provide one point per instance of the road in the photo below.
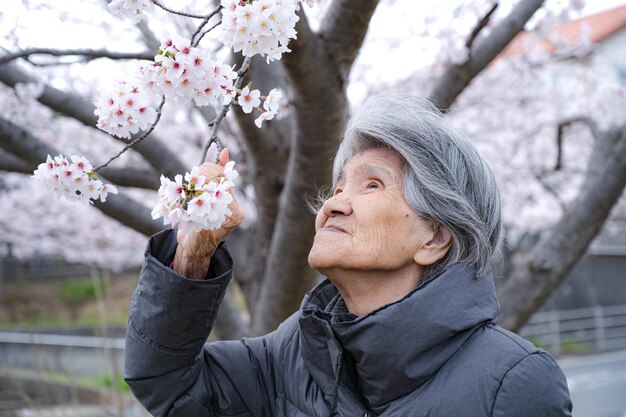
(597, 384)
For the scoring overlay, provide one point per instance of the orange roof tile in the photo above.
(598, 26)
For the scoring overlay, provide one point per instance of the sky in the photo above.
(66, 33)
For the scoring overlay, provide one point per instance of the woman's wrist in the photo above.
(192, 267)
(193, 255)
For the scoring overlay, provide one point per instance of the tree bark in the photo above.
(536, 275)
(343, 30)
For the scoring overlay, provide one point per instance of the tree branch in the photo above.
(133, 177)
(344, 28)
(11, 163)
(149, 39)
(185, 14)
(482, 23)
(593, 126)
(457, 77)
(89, 54)
(535, 277)
(31, 151)
(76, 107)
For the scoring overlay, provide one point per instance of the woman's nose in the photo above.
(337, 205)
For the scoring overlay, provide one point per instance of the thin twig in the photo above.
(482, 23)
(88, 53)
(593, 126)
(203, 24)
(167, 9)
(216, 122)
(135, 141)
(207, 31)
(53, 64)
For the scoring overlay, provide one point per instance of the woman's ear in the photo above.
(436, 248)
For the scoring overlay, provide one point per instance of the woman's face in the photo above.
(367, 223)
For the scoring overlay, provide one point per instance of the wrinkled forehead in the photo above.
(366, 170)
(389, 165)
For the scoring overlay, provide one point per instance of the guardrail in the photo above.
(43, 339)
(584, 330)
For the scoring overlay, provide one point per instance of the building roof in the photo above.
(596, 27)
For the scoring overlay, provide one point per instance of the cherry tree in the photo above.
(165, 118)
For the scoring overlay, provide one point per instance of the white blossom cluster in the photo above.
(197, 203)
(74, 181)
(131, 9)
(271, 105)
(251, 99)
(261, 27)
(181, 71)
(124, 110)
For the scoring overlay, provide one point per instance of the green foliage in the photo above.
(107, 382)
(537, 341)
(576, 347)
(79, 292)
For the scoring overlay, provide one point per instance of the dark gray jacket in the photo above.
(437, 352)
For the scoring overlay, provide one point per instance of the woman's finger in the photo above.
(223, 158)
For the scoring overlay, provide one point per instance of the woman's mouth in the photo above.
(332, 228)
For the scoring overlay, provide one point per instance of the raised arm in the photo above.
(168, 366)
(194, 250)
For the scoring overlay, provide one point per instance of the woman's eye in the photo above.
(373, 185)
(337, 191)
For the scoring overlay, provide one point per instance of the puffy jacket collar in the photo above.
(398, 347)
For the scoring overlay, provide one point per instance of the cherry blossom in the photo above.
(131, 9)
(249, 99)
(73, 181)
(261, 27)
(198, 203)
(183, 72)
(270, 105)
(124, 110)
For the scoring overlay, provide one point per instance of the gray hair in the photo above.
(445, 180)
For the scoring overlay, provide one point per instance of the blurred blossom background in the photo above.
(545, 104)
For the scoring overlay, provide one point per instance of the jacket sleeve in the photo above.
(536, 387)
(168, 366)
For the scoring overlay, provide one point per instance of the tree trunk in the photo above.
(539, 273)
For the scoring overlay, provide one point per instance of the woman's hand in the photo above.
(195, 249)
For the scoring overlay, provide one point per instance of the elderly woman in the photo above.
(404, 324)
